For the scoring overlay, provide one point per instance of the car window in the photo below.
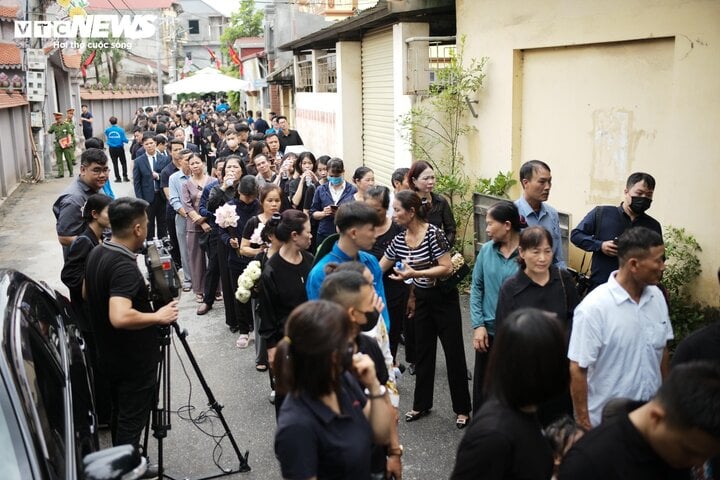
(42, 362)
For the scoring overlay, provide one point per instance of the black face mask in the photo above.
(372, 320)
(640, 204)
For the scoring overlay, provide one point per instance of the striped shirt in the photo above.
(433, 246)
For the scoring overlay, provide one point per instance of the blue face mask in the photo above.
(335, 180)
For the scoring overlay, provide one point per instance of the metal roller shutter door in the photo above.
(378, 114)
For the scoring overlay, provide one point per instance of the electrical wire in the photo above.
(184, 412)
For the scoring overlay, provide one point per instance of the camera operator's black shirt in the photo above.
(132, 355)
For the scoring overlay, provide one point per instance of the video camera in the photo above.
(162, 274)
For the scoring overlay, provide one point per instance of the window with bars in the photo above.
(303, 82)
(327, 73)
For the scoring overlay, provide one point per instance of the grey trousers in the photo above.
(182, 242)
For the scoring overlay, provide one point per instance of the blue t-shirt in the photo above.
(317, 275)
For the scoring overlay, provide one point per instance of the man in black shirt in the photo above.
(598, 232)
(124, 321)
(286, 135)
(662, 439)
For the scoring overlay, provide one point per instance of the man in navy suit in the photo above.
(179, 134)
(146, 181)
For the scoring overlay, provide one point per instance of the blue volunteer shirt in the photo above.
(115, 136)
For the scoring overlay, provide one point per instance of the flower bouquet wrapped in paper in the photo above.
(226, 216)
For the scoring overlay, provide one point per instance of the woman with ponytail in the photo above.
(327, 424)
(282, 283)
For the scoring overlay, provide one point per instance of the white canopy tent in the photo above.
(207, 80)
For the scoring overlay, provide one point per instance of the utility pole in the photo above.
(159, 65)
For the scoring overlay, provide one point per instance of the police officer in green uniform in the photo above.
(62, 129)
(70, 120)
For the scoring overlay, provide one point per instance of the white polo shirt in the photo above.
(620, 342)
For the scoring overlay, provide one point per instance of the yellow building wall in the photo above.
(599, 90)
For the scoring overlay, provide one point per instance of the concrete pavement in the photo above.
(29, 244)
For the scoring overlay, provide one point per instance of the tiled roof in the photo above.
(71, 60)
(9, 12)
(128, 5)
(14, 100)
(10, 55)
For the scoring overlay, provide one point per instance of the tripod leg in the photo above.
(212, 402)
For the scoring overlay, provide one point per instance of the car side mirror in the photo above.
(123, 461)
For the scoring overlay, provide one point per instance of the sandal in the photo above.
(243, 341)
(461, 422)
(199, 298)
(413, 415)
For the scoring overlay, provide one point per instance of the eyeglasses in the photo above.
(100, 170)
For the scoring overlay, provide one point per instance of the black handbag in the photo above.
(449, 283)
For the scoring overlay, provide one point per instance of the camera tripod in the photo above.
(160, 414)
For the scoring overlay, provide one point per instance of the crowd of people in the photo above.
(345, 271)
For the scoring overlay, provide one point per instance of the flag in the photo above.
(213, 58)
(236, 59)
(87, 63)
(233, 55)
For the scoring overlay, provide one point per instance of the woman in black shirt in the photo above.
(421, 179)
(396, 291)
(424, 254)
(282, 283)
(528, 365)
(540, 285)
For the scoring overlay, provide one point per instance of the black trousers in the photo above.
(117, 154)
(410, 342)
(397, 306)
(231, 305)
(212, 273)
(175, 252)
(131, 404)
(156, 215)
(244, 310)
(437, 315)
(479, 374)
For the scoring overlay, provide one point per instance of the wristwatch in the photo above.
(381, 393)
(392, 451)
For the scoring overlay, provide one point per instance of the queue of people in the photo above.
(348, 269)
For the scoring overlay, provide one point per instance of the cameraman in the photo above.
(120, 307)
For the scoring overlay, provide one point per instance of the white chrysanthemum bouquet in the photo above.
(247, 281)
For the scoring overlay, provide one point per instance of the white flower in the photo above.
(256, 237)
(226, 216)
(242, 294)
(246, 282)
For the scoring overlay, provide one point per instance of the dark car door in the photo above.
(46, 358)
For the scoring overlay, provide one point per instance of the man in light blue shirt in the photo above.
(618, 344)
(536, 181)
(175, 183)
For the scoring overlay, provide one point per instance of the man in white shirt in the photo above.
(618, 345)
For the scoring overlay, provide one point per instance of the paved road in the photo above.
(28, 243)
